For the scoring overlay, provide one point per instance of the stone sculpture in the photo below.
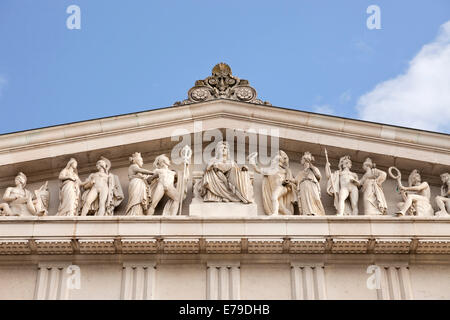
(223, 180)
(221, 84)
(278, 187)
(343, 185)
(138, 188)
(373, 196)
(443, 201)
(416, 197)
(69, 193)
(21, 202)
(168, 182)
(308, 188)
(103, 192)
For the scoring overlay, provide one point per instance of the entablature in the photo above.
(191, 235)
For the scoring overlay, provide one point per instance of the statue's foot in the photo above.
(442, 213)
(399, 214)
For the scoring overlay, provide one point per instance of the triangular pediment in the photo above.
(45, 151)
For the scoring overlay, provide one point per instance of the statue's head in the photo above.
(368, 164)
(104, 164)
(345, 162)
(307, 157)
(414, 178)
(72, 164)
(445, 177)
(136, 158)
(21, 179)
(161, 161)
(281, 159)
(222, 150)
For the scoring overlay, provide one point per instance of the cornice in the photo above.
(217, 109)
(259, 235)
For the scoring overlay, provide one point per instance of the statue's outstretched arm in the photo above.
(88, 183)
(7, 196)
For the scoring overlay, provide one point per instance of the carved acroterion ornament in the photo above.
(222, 85)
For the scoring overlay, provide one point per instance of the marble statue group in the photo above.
(223, 180)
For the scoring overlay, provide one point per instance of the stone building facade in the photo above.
(223, 250)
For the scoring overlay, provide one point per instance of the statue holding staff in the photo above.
(168, 182)
(343, 185)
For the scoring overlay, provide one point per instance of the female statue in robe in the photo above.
(278, 187)
(224, 181)
(69, 193)
(373, 195)
(308, 187)
(138, 189)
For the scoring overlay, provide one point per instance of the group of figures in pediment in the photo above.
(225, 181)
(101, 192)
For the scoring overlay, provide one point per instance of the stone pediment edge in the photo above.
(21, 141)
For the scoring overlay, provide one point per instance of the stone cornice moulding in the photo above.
(139, 127)
(181, 235)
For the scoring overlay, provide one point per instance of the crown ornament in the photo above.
(222, 85)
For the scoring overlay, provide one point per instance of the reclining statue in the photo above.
(21, 202)
(416, 197)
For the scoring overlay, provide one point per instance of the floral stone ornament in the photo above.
(222, 85)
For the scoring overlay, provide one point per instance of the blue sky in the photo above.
(138, 55)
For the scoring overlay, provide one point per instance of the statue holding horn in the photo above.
(416, 197)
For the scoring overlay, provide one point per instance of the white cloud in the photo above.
(364, 47)
(324, 108)
(345, 97)
(419, 98)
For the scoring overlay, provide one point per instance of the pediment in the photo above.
(43, 152)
